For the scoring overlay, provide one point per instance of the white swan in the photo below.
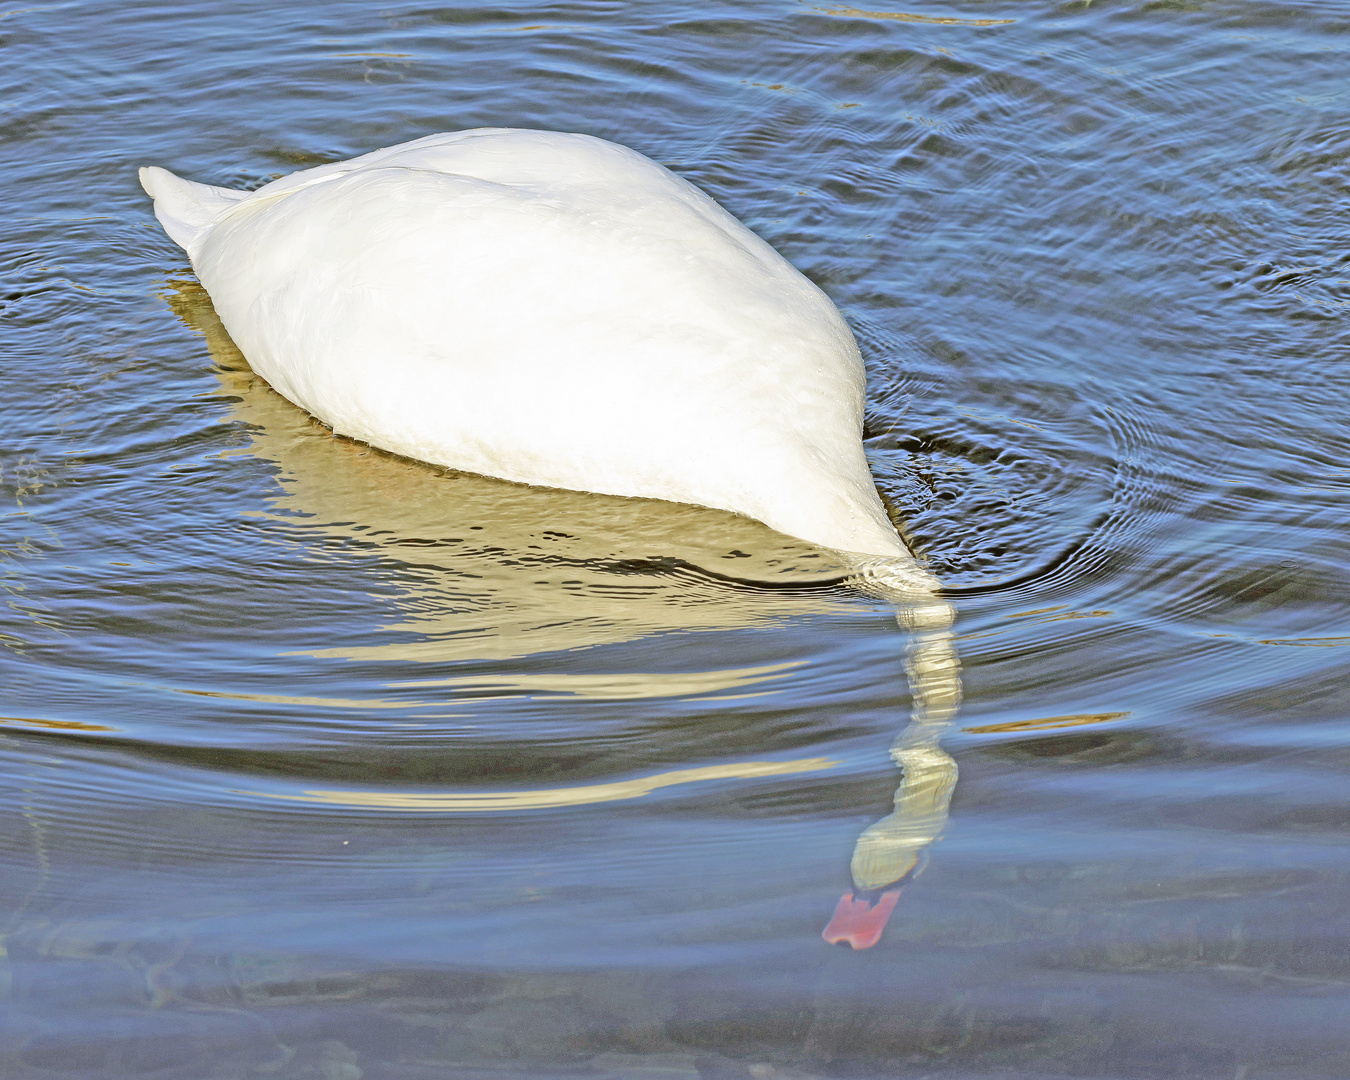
(558, 310)
(547, 308)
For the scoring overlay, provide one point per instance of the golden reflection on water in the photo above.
(550, 798)
(1045, 723)
(902, 16)
(624, 686)
(1310, 642)
(621, 685)
(293, 699)
(61, 725)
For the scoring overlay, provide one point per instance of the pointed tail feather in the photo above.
(187, 210)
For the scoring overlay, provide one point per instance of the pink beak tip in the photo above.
(858, 922)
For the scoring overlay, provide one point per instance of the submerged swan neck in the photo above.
(892, 851)
(915, 593)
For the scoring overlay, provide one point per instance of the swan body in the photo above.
(552, 309)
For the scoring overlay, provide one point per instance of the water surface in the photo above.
(317, 762)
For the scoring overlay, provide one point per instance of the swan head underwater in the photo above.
(558, 310)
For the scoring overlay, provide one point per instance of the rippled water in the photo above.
(318, 762)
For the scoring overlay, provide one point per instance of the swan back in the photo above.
(547, 308)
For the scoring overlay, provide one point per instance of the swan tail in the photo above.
(187, 210)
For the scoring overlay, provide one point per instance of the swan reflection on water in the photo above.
(488, 603)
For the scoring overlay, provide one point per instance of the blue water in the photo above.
(260, 684)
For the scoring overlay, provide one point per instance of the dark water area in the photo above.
(318, 762)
